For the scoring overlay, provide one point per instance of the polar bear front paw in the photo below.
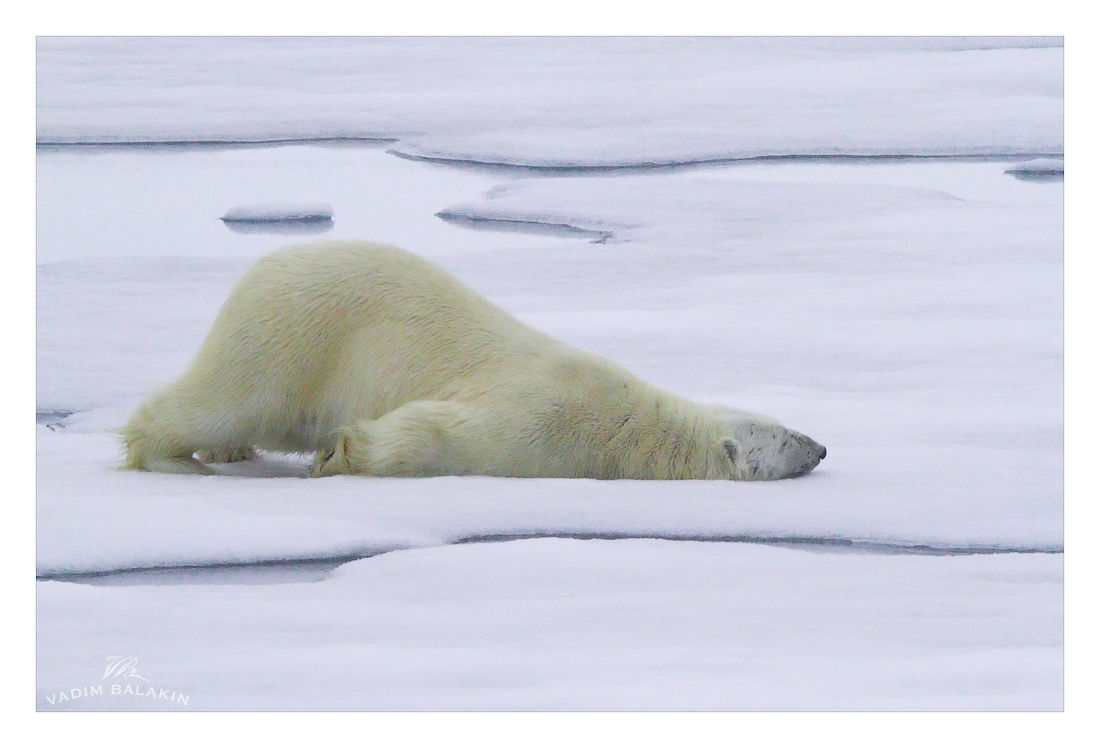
(178, 465)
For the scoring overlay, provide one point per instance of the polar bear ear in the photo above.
(731, 449)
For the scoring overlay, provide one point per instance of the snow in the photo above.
(905, 313)
(557, 624)
(565, 101)
(272, 512)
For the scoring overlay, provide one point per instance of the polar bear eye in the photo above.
(731, 449)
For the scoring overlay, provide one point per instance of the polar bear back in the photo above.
(347, 330)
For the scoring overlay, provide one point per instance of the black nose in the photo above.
(823, 452)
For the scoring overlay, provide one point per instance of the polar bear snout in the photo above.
(815, 452)
(769, 451)
(802, 453)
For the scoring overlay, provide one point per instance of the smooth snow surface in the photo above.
(907, 314)
(565, 101)
(577, 625)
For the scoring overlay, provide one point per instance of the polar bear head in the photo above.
(760, 448)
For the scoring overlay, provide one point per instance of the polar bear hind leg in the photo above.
(423, 438)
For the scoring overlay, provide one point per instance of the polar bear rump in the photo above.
(381, 363)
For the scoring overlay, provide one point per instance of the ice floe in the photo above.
(560, 101)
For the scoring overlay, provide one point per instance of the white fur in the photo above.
(382, 363)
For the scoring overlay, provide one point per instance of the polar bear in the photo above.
(384, 364)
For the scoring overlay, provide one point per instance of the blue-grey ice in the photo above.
(278, 212)
(1038, 166)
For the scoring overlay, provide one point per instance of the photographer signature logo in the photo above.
(125, 667)
(125, 681)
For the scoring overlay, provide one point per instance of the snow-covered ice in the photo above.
(279, 218)
(559, 101)
(1038, 166)
(578, 625)
(907, 314)
(275, 212)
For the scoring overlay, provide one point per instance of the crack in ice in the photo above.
(318, 568)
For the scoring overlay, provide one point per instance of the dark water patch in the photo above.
(283, 571)
(806, 543)
(1038, 176)
(524, 227)
(1039, 170)
(52, 419)
(306, 570)
(676, 165)
(304, 225)
(209, 145)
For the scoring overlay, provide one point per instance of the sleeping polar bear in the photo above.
(384, 364)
